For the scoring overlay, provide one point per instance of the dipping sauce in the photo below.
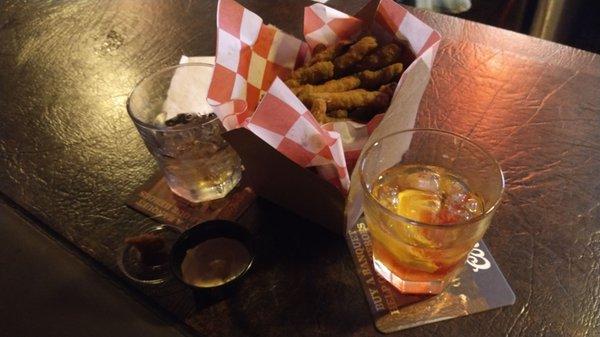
(215, 262)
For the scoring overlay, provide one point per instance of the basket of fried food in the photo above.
(350, 80)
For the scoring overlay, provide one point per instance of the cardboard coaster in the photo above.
(480, 287)
(155, 199)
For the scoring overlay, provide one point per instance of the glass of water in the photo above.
(180, 129)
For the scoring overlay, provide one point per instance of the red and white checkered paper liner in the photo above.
(251, 56)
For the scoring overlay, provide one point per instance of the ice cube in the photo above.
(454, 214)
(387, 195)
(424, 180)
(455, 192)
(473, 206)
(455, 199)
(452, 185)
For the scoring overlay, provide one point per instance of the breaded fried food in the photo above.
(381, 57)
(318, 110)
(354, 54)
(292, 83)
(338, 114)
(342, 84)
(313, 74)
(321, 54)
(374, 79)
(349, 80)
(389, 88)
(351, 99)
(296, 90)
(363, 114)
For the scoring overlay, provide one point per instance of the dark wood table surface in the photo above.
(71, 157)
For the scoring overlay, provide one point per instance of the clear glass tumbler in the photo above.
(178, 126)
(429, 196)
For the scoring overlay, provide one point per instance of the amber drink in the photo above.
(429, 197)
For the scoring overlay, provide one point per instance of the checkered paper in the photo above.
(252, 56)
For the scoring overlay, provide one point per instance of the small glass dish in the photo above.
(130, 259)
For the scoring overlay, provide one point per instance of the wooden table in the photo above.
(71, 156)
